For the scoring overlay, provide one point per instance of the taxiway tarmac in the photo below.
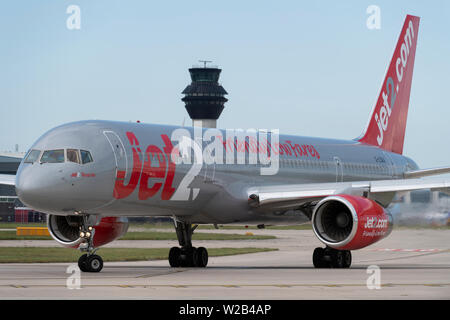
(414, 264)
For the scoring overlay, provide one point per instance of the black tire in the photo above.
(94, 263)
(347, 258)
(82, 263)
(201, 257)
(192, 258)
(337, 259)
(318, 258)
(174, 257)
(187, 257)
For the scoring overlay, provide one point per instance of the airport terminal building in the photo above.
(11, 209)
(9, 162)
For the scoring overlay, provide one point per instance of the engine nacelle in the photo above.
(66, 230)
(348, 222)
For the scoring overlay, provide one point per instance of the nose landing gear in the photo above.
(186, 255)
(88, 262)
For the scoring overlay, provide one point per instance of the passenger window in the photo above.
(53, 156)
(86, 157)
(73, 156)
(33, 155)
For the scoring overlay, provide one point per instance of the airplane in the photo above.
(89, 176)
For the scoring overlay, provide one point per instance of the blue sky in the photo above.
(308, 68)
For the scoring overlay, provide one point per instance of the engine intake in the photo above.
(350, 222)
(66, 230)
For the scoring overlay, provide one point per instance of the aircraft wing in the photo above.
(292, 196)
(8, 179)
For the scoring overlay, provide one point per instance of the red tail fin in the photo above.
(387, 124)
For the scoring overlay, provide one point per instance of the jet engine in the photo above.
(348, 222)
(66, 230)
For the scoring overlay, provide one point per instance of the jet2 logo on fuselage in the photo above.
(145, 170)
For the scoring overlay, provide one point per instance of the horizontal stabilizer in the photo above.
(426, 172)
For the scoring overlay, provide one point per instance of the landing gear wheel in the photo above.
(82, 263)
(332, 258)
(337, 259)
(201, 257)
(347, 258)
(94, 263)
(190, 257)
(186, 255)
(318, 258)
(174, 257)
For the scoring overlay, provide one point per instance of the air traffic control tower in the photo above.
(204, 97)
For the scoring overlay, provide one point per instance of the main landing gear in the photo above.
(186, 255)
(332, 258)
(88, 262)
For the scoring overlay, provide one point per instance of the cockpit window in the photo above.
(33, 155)
(73, 155)
(86, 157)
(53, 156)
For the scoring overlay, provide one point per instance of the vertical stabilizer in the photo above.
(387, 123)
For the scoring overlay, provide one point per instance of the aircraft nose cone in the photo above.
(55, 188)
(22, 187)
(28, 189)
(40, 188)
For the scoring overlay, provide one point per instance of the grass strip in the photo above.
(45, 255)
(13, 225)
(165, 225)
(11, 235)
(150, 235)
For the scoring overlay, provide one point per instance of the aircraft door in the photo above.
(339, 169)
(119, 152)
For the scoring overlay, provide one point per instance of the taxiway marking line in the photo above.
(409, 250)
(235, 286)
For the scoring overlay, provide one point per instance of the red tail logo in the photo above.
(387, 124)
